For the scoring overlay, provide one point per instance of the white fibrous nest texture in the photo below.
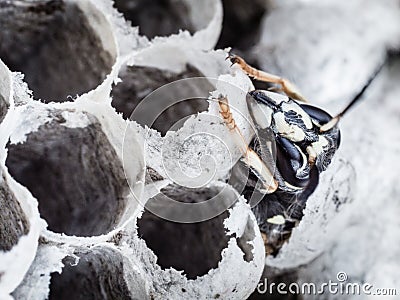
(120, 179)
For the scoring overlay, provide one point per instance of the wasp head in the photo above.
(296, 130)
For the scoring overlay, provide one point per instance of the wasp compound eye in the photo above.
(292, 163)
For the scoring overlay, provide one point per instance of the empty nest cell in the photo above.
(74, 173)
(185, 98)
(156, 17)
(194, 248)
(54, 45)
(97, 275)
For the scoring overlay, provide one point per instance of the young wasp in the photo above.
(293, 143)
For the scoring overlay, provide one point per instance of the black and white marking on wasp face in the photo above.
(289, 135)
(296, 128)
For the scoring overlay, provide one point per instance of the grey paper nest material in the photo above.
(89, 194)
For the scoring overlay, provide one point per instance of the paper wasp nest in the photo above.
(90, 195)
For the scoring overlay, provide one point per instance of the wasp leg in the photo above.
(286, 86)
(250, 158)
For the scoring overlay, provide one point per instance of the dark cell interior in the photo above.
(98, 275)
(52, 43)
(74, 174)
(13, 222)
(194, 248)
(156, 17)
(241, 28)
(139, 82)
(241, 24)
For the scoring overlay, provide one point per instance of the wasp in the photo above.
(293, 143)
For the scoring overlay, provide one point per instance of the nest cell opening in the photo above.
(75, 175)
(157, 17)
(54, 45)
(194, 248)
(171, 104)
(99, 274)
(241, 24)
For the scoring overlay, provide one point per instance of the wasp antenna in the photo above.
(333, 122)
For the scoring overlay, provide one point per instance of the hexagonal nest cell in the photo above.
(194, 248)
(54, 46)
(74, 173)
